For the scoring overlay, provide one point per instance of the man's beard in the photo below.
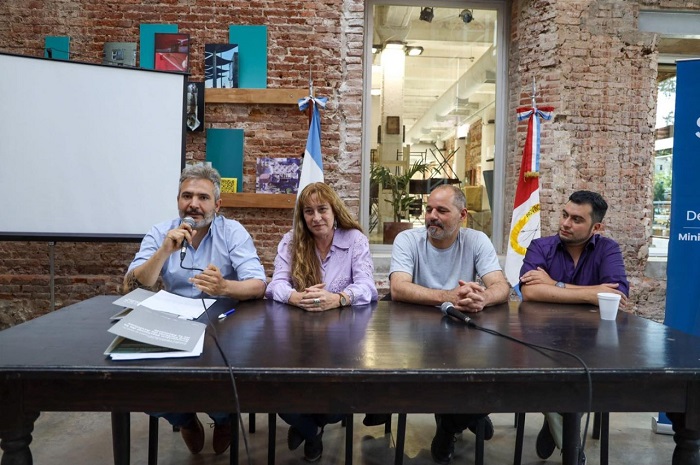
(437, 230)
(574, 241)
(205, 221)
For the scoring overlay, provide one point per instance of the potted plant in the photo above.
(400, 199)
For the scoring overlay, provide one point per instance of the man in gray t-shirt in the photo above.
(440, 263)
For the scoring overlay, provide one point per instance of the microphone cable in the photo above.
(215, 336)
(469, 322)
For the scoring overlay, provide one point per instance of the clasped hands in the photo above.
(315, 299)
(470, 297)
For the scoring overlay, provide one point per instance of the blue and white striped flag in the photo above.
(312, 167)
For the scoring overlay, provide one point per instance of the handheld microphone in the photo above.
(190, 221)
(449, 309)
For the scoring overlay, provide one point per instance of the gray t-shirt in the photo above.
(471, 254)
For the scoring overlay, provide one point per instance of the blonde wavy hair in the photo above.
(306, 267)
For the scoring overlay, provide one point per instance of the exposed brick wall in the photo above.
(322, 36)
(599, 72)
(588, 59)
(473, 148)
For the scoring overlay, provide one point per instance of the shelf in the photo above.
(249, 200)
(253, 96)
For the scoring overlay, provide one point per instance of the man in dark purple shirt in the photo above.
(572, 266)
(576, 264)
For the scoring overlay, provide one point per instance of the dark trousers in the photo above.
(455, 423)
(308, 424)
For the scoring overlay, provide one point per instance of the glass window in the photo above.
(431, 111)
(679, 38)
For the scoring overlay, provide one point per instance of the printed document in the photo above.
(146, 333)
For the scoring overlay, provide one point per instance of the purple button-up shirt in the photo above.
(348, 268)
(600, 262)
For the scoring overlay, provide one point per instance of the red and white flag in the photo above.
(525, 224)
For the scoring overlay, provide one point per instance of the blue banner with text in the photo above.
(683, 272)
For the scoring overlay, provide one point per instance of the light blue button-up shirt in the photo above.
(227, 245)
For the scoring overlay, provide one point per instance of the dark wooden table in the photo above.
(384, 357)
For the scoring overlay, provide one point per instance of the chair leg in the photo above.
(271, 437)
(604, 437)
(348, 438)
(387, 426)
(152, 440)
(479, 446)
(233, 459)
(519, 434)
(251, 422)
(595, 434)
(400, 439)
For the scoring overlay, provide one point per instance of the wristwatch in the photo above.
(560, 284)
(343, 301)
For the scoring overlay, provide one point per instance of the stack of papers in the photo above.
(145, 333)
(155, 325)
(131, 301)
(162, 301)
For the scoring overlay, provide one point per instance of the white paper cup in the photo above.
(608, 303)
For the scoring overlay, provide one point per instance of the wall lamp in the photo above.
(467, 16)
(394, 45)
(426, 14)
(413, 51)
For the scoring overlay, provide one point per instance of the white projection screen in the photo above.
(88, 152)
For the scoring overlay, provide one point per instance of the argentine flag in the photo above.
(312, 165)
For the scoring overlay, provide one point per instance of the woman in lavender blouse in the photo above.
(323, 263)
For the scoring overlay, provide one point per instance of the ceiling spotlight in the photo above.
(426, 14)
(394, 45)
(414, 51)
(467, 16)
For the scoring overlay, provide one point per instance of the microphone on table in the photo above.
(449, 309)
(190, 221)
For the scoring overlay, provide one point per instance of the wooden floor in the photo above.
(85, 439)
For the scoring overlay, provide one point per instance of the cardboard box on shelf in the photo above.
(477, 199)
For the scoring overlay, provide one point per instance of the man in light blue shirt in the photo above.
(220, 260)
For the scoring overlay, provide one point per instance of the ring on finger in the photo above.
(317, 301)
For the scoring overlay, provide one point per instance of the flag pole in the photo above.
(311, 94)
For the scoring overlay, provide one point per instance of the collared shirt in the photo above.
(227, 245)
(348, 268)
(600, 262)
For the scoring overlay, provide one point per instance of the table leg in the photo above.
(687, 451)
(15, 443)
(121, 437)
(571, 442)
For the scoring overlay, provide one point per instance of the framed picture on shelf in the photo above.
(277, 175)
(195, 106)
(172, 52)
(221, 66)
(119, 54)
(393, 124)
